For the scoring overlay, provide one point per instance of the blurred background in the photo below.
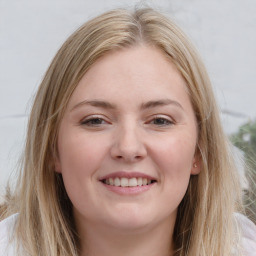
(223, 31)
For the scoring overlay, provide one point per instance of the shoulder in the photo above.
(248, 234)
(7, 244)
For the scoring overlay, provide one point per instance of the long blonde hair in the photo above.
(204, 224)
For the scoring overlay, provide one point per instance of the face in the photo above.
(127, 141)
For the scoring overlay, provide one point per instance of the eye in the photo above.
(93, 121)
(161, 121)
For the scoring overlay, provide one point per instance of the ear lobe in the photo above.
(196, 167)
(197, 161)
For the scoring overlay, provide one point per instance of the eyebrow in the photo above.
(159, 103)
(95, 103)
(147, 105)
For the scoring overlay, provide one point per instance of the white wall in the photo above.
(31, 31)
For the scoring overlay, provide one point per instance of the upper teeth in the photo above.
(125, 182)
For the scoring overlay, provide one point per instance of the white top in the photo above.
(7, 244)
(248, 229)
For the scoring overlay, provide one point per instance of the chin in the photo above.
(131, 219)
(129, 225)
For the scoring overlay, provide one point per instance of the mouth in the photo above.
(128, 182)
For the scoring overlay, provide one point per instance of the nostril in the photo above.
(129, 157)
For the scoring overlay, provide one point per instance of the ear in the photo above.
(196, 167)
(196, 164)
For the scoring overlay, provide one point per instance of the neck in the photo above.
(96, 240)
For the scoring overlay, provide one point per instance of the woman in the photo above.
(125, 154)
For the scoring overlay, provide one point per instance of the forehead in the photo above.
(138, 72)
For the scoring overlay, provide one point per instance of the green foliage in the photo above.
(245, 139)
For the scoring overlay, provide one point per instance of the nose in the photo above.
(128, 145)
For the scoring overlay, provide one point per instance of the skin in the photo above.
(145, 125)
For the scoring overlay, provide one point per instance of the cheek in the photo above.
(176, 152)
(174, 158)
(80, 153)
(80, 157)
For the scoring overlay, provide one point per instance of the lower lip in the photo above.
(128, 190)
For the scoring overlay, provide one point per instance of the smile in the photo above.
(128, 182)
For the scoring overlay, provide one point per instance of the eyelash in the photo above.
(98, 121)
(89, 121)
(167, 122)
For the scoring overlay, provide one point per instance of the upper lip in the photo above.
(124, 174)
